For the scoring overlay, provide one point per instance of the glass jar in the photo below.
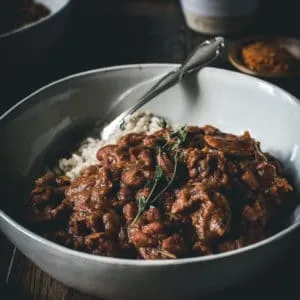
(219, 16)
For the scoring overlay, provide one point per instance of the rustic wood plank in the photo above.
(30, 282)
(6, 255)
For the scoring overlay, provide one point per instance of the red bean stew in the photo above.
(173, 194)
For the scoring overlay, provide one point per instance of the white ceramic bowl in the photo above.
(25, 44)
(229, 100)
(215, 17)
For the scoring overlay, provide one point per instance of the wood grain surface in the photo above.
(102, 33)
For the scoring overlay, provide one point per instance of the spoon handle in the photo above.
(203, 55)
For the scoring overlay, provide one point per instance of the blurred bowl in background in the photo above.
(28, 43)
(219, 17)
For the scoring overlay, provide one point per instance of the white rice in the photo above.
(140, 122)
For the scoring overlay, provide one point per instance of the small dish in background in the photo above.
(288, 55)
(24, 45)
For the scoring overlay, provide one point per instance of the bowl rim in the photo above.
(133, 262)
(33, 24)
(234, 52)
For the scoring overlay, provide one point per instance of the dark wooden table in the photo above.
(111, 32)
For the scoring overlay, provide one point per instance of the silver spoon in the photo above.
(204, 54)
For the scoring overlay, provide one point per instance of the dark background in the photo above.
(112, 32)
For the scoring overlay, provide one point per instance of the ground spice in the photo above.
(268, 57)
(17, 13)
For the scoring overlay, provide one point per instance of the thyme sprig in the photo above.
(122, 125)
(144, 203)
(162, 123)
(169, 183)
(179, 135)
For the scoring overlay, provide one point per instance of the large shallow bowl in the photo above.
(231, 101)
(26, 44)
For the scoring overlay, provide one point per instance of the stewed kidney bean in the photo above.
(210, 192)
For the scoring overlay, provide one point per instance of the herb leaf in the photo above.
(148, 183)
(180, 136)
(162, 123)
(144, 203)
(183, 133)
(122, 125)
(158, 172)
(169, 182)
(181, 156)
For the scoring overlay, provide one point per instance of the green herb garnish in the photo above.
(148, 183)
(179, 135)
(169, 182)
(162, 123)
(181, 156)
(122, 125)
(142, 201)
(145, 203)
(159, 173)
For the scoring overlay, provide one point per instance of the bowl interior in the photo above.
(58, 115)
